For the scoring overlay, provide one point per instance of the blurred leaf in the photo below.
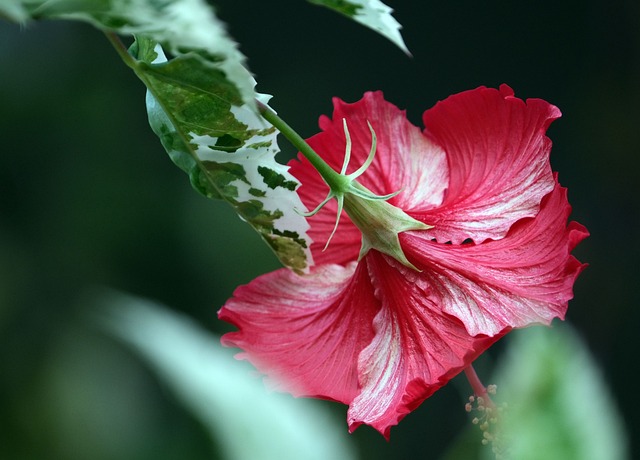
(559, 406)
(243, 418)
(370, 13)
(13, 10)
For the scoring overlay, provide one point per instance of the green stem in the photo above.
(333, 179)
(121, 49)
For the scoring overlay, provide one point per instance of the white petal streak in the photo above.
(468, 301)
(416, 348)
(378, 365)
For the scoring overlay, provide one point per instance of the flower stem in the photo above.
(333, 179)
(478, 388)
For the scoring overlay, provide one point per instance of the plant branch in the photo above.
(333, 179)
(121, 49)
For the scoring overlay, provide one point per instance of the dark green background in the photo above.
(89, 199)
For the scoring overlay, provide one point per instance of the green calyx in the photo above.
(380, 224)
(379, 221)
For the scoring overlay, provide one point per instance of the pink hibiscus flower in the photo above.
(382, 333)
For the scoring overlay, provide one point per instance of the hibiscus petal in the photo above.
(498, 157)
(405, 160)
(525, 278)
(416, 350)
(305, 331)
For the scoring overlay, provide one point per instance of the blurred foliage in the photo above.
(558, 402)
(89, 198)
(241, 416)
(552, 403)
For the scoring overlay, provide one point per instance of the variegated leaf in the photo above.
(201, 104)
(182, 26)
(370, 13)
(227, 149)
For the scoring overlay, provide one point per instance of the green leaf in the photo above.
(242, 417)
(558, 402)
(370, 13)
(201, 104)
(227, 149)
